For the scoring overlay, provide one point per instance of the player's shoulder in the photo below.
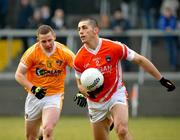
(81, 51)
(112, 45)
(111, 42)
(63, 48)
(80, 55)
(30, 50)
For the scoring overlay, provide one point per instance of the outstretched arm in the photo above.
(151, 69)
(147, 66)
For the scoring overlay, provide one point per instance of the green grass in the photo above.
(78, 128)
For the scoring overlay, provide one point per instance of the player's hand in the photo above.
(39, 92)
(168, 84)
(80, 99)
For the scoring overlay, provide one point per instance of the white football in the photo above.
(92, 79)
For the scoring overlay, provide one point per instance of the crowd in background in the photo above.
(31, 13)
(127, 14)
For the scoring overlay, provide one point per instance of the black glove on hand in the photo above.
(39, 92)
(168, 84)
(81, 100)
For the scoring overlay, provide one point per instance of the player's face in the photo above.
(86, 31)
(47, 41)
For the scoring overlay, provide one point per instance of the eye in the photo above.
(49, 40)
(43, 41)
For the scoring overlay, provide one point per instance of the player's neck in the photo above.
(49, 51)
(93, 44)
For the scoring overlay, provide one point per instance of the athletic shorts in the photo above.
(34, 106)
(100, 111)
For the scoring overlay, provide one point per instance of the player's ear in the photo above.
(96, 30)
(54, 35)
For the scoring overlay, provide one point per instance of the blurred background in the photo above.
(152, 28)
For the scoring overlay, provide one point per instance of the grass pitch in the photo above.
(78, 128)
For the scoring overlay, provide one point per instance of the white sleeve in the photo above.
(22, 64)
(130, 54)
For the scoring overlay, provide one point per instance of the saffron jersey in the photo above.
(107, 58)
(48, 70)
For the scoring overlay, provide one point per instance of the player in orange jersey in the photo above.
(110, 102)
(42, 72)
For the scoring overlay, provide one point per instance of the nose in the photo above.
(47, 43)
(80, 31)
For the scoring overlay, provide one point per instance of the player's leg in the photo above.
(32, 129)
(50, 114)
(120, 117)
(33, 109)
(50, 118)
(101, 129)
(40, 134)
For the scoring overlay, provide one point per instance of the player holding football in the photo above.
(42, 71)
(111, 101)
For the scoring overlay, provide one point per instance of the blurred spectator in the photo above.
(46, 15)
(167, 22)
(34, 23)
(57, 21)
(23, 16)
(125, 8)
(149, 11)
(104, 21)
(120, 24)
(3, 12)
(35, 20)
(173, 4)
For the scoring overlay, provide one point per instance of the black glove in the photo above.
(168, 84)
(39, 92)
(81, 100)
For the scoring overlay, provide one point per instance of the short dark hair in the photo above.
(44, 29)
(92, 21)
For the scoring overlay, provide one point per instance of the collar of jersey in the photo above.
(97, 48)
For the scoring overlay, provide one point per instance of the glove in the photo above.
(81, 100)
(39, 92)
(168, 84)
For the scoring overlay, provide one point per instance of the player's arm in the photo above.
(20, 76)
(80, 97)
(81, 88)
(147, 65)
(151, 69)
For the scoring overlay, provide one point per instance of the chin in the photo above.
(83, 41)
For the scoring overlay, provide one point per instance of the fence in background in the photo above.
(72, 41)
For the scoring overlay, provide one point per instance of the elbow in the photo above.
(139, 59)
(17, 77)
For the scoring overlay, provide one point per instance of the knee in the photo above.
(121, 130)
(48, 130)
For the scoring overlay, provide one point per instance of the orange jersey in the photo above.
(107, 58)
(48, 71)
